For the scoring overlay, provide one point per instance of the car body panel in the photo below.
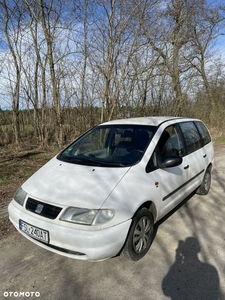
(95, 245)
(83, 184)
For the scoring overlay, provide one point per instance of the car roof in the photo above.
(152, 121)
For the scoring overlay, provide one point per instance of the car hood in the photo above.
(76, 185)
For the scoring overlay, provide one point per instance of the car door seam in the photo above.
(180, 187)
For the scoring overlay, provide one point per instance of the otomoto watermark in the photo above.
(21, 294)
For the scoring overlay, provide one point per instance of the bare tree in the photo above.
(49, 18)
(11, 16)
(206, 28)
(90, 61)
(168, 33)
(37, 82)
(116, 44)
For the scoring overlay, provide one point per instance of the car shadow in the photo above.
(189, 278)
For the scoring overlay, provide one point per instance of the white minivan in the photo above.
(101, 196)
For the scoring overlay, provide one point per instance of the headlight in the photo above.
(103, 216)
(87, 216)
(20, 196)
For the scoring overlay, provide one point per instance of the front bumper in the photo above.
(73, 241)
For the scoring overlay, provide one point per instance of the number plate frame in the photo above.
(34, 231)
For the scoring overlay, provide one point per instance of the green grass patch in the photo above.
(25, 128)
(219, 139)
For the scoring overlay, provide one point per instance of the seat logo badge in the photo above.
(39, 208)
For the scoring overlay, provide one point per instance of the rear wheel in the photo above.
(206, 183)
(140, 236)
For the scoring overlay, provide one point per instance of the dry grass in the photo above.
(15, 168)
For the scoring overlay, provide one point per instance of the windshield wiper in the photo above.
(90, 162)
(112, 164)
(70, 159)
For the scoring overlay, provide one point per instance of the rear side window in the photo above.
(191, 136)
(204, 133)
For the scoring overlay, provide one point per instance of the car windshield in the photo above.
(110, 146)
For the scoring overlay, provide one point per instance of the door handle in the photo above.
(204, 155)
(186, 167)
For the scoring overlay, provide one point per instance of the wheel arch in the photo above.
(210, 166)
(129, 250)
(150, 206)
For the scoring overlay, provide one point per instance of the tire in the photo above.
(206, 183)
(140, 236)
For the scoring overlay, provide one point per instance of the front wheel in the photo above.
(140, 236)
(206, 183)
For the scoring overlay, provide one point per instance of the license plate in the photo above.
(35, 232)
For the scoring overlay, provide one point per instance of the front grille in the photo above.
(42, 209)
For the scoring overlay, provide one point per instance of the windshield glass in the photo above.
(110, 145)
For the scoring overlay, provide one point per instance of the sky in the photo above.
(5, 102)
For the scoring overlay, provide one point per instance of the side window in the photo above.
(169, 144)
(191, 136)
(204, 133)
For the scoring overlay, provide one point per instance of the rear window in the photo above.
(205, 137)
(191, 136)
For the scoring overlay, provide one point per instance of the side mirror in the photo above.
(171, 161)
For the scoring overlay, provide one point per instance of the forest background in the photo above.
(66, 66)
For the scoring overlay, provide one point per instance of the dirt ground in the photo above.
(185, 262)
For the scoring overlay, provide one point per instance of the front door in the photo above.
(170, 183)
